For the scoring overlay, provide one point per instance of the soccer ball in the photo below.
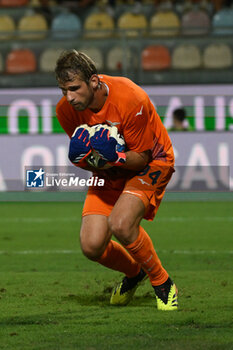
(97, 162)
(94, 158)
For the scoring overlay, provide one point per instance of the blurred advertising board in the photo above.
(32, 111)
(204, 162)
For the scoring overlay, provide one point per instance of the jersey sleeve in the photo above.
(137, 130)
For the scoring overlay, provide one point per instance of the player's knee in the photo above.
(91, 250)
(120, 228)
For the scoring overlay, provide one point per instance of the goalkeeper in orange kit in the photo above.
(135, 181)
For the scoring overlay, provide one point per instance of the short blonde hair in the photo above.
(72, 63)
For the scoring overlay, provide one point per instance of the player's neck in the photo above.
(100, 97)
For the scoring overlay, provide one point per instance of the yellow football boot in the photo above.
(166, 296)
(124, 291)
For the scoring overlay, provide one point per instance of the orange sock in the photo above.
(142, 250)
(117, 258)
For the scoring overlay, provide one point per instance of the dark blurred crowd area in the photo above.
(75, 4)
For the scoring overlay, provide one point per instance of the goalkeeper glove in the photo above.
(105, 143)
(80, 146)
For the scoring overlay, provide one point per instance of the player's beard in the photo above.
(81, 106)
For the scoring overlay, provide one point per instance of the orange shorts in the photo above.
(148, 185)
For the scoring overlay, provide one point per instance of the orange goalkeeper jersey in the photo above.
(129, 108)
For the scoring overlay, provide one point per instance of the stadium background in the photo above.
(181, 53)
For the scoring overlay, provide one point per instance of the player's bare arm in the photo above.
(136, 161)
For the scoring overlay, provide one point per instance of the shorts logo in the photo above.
(143, 182)
(35, 178)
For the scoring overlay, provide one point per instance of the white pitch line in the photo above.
(38, 252)
(205, 218)
(44, 220)
(38, 220)
(195, 252)
(48, 252)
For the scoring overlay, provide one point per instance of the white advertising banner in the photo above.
(32, 111)
(204, 161)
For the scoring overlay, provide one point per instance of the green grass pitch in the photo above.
(53, 298)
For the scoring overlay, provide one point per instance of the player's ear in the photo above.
(94, 81)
